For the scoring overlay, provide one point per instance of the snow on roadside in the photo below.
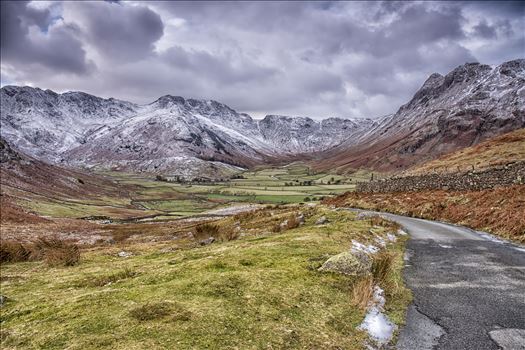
(377, 324)
(360, 247)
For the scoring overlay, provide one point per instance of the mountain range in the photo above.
(190, 137)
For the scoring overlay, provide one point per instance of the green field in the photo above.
(294, 183)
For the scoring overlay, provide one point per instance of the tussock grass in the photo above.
(151, 311)
(206, 230)
(54, 251)
(14, 252)
(382, 266)
(363, 292)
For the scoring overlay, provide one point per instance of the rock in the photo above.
(322, 220)
(207, 241)
(3, 299)
(124, 254)
(284, 224)
(348, 263)
(300, 218)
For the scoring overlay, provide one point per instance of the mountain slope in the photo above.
(500, 150)
(184, 136)
(206, 138)
(470, 104)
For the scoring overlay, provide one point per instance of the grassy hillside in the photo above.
(499, 150)
(255, 289)
(500, 210)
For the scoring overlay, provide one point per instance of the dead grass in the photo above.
(56, 252)
(377, 220)
(206, 230)
(499, 150)
(382, 266)
(500, 210)
(53, 251)
(14, 252)
(363, 292)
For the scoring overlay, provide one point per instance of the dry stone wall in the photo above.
(507, 175)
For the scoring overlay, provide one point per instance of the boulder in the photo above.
(348, 263)
(322, 220)
(207, 241)
(124, 254)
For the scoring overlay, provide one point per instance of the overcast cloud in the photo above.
(317, 59)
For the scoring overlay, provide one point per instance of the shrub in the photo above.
(56, 252)
(363, 292)
(382, 265)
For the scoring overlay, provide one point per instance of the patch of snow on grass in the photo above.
(360, 247)
(391, 237)
(377, 324)
(402, 232)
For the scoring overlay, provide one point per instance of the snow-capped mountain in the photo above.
(201, 137)
(468, 105)
(171, 134)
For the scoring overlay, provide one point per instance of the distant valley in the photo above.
(188, 137)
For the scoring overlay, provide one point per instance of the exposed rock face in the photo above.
(7, 154)
(470, 104)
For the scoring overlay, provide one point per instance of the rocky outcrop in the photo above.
(470, 104)
(510, 174)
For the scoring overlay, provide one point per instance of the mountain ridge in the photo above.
(189, 136)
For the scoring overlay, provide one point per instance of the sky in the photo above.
(317, 59)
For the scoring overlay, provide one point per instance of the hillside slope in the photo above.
(500, 150)
(172, 134)
(469, 105)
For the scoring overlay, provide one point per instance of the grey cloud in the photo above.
(219, 69)
(115, 30)
(310, 58)
(55, 48)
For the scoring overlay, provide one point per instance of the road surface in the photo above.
(468, 287)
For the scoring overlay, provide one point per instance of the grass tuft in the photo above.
(56, 252)
(382, 266)
(363, 292)
(151, 311)
(14, 252)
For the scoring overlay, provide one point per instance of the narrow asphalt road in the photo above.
(468, 287)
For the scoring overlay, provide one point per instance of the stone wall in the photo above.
(507, 175)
